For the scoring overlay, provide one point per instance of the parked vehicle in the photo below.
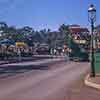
(43, 50)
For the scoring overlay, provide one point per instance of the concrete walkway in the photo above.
(51, 84)
(30, 63)
(93, 82)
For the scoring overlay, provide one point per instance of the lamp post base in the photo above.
(92, 75)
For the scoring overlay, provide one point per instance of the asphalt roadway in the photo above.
(47, 83)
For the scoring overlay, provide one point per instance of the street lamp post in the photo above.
(92, 19)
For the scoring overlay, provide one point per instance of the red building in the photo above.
(76, 30)
(79, 34)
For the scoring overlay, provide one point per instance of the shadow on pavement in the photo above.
(13, 70)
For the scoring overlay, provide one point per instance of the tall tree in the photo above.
(3, 28)
(64, 32)
(64, 28)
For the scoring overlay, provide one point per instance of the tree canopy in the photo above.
(29, 35)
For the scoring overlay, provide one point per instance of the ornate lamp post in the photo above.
(92, 19)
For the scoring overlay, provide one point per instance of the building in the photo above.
(97, 36)
(79, 34)
(78, 30)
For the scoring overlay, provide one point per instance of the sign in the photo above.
(94, 44)
(80, 41)
(20, 43)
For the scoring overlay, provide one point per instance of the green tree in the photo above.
(3, 29)
(43, 34)
(64, 31)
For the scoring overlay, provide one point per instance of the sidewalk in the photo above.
(30, 63)
(80, 91)
(23, 59)
(93, 82)
(3, 62)
(28, 59)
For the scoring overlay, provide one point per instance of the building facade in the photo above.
(80, 36)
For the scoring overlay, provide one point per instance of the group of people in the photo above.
(60, 51)
(14, 51)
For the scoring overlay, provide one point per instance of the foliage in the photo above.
(28, 35)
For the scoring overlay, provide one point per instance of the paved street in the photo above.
(49, 51)
(79, 91)
(42, 84)
(12, 69)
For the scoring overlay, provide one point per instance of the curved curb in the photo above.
(91, 84)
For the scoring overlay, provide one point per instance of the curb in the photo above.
(31, 64)
(91, 84)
